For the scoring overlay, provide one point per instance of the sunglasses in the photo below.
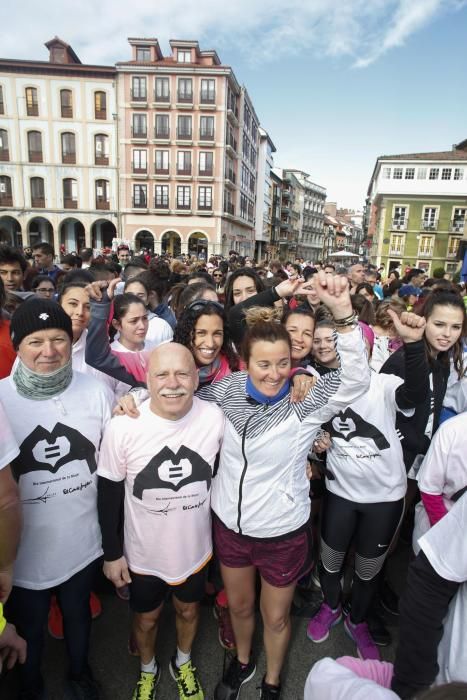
(202, 304)
(217, 274)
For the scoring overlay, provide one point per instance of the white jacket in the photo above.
(261, 489)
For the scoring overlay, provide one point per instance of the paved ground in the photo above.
(117, 671)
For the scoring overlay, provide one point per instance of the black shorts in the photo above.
(148, 592)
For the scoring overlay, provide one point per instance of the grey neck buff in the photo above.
(39, 387)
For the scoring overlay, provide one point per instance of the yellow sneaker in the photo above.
(147, 684)
(187, 679)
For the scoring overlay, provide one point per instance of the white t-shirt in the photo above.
(56, 471)
(444, 469)
(8, 445)
(328, 680)
(445, 547)
(78, 352)
(167, 467)
(366, 454)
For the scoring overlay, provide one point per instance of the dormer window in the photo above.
(143, 54)
(183, 56)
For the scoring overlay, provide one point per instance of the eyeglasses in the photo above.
(217, 274)
(45, 290)
(202, 304)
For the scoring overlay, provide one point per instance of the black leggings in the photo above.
(29, 611)
(373, 526)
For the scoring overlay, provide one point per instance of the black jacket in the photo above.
(412, 430)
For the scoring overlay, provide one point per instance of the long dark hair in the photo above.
(241, 272)
(185, 329)
(443, 297)
(121, 305)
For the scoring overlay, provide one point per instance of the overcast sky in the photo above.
(335, 82)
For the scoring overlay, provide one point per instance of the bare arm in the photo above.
(10, 529)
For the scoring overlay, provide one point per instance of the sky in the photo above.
(335, 83)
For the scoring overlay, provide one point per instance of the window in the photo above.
(409, 173)
(421, 173)
(162, 90)
(205, 198)
(37, 192)
(397, 245)
(430, 218)
(161, 200)
(66, 104)
(139, 129)
(245, 177)
(458, 220)
(254, 131)
(4, 148)
(140, 161)
(400, 217)
(2, 103)
(101, 149)
(434, 174)
(246, 145)
(6, 198)
(32, 104)
(206, 128)
(253, 155)
(34, 147)
(143, 54)
(397, 174)
(243, 206)
(185, 90)
(446, 173)
(208, 91)
(162, 126)
(247, 117)
(138, 89)
(205, 163)
(184, 127)
(425, 246)
(162, 162)
(386, 173)
(68, 148)
(70, 193)
(140, 196)
(453, 247)
(183, 197)
(183, 56)
(100, 105)
(102, 194)
(458, 173)
(184, 163)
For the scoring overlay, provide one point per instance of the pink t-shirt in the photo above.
(167, 467)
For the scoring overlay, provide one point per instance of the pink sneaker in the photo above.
(366, 648)
(319, 625)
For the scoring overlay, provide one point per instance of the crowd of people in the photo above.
(294, 421)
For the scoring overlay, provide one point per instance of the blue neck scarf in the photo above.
(259, 397)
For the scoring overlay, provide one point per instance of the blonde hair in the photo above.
(263, 324)
(262, 314)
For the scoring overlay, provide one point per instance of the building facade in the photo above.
(416, 209)
(264, 196)
(312, 199)
(188, 138)
(58, 165)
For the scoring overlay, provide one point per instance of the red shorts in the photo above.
(280, 562)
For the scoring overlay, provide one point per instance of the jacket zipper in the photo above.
(242, 478)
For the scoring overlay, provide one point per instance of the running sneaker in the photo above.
(269, 692)
(95, 605)
(366, 648)
(225, 631)
(236, 675)
(319, 625)
(147, 685)
(187, 680)
(55, 621)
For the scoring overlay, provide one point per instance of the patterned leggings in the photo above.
(372, 526)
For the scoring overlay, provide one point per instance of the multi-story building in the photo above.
(264, 197)
(416, 209)
(188, 138)
(273, 248)
(58, 166)
(312, 198)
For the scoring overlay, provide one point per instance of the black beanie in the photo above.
(37, 315)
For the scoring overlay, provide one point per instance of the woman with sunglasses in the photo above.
(219, 280)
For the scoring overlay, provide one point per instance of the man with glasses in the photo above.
(43, 286)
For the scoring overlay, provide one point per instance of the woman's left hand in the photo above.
(301, 385)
